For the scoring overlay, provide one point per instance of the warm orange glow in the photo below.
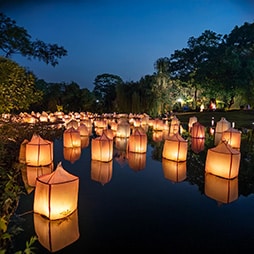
(101, 171)
(223, 161)
(173, 170)
(56, 194)
(197, 130)
(39, 152)
(71, 138)
(221, 189)
(232, 137)
(137, 161)
(83, 130)
(85, 140)
(174, 126)
(22, 151)
(121, 143)
(192, 120)
(197, 144)
(158, 136)
(221, 126)
(175, 148)
(72, 154)
(138, 141)
(123, 130)
(55, 235)
(102, 148)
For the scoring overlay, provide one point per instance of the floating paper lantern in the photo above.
(102, 148)
(221, 189)
(73, 123)
(85, 140)
(136, 161)
(192, 120)
(157, 136)
(83, 130)
(223, 161)
(174, 126)
(101, 171)
(39, 151)
(221, 126)
(173, 170)
(71, 138)
(35, 171)
(123, 130)
(157, 124)
(232, 137)
(22, 151)
(56, 194)
(197, 130)
(72, 154)
(138, 141)
(197, 144)
(55, 235)
(175, 148)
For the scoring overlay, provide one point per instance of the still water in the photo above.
(140, 207)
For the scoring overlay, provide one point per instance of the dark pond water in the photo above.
(144, 207)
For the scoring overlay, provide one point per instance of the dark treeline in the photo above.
(213, 67)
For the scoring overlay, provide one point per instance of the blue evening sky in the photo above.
(120, 37)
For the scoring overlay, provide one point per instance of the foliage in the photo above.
(17, 91)
(15, 39)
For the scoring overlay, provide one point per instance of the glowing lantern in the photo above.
(175, 148)
(221, 189)
(71, 138)
(173, 170)
(223, 161)
(56, 194)
(83, 130)
(121, 143)
(221, 126)
(174, 126)
(110, 133)
(123, 130)
(197, 144)
(34, 172)
(232, 137)
(138, 141)
(39, 152)
(84, 141)
(102, 148)
(197, 130)
(158, 125)
(192, 120)
(55, 235)
(72, 124)
(72, 154)
(137, 161)
(22, 151)
(101, 171)
(157, 136)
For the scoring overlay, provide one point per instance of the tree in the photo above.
(16, 40)
(17, 90)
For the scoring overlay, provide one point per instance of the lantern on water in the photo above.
(221, 189)
(35, 171)
(39, 151)
(223, 161)
(197, 130)
(137, 161)
(71, 138)
(192, 120)
(175, 148)
(157, 136)
(197, 144)
(55, 235)
(84, 141)
(102, 148)
(174, 126)
(101, 171)
(221, 126)
(158, 124)
(72, 124)
(56, 194)
(232, 137)
(22, 151)
(173, 170)
(138, 141)
(83, 130)
(72, 154)
(123, 130)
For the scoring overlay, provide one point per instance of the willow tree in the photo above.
(17, 87)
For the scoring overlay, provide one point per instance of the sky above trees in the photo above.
(123, 38)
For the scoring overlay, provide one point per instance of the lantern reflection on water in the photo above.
(221, 189)
(101, 171)
(51, 198)
(55, 235)
(39, 152)
(71, 138)
(136, 161)
(72, 154)
(223, 161)
(173, 170)
(175, 148)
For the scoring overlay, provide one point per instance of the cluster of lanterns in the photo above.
(128, 135)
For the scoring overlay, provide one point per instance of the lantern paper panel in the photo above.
(83, 130)
(173, 170)
(174, 126)
(197, 144)
(192, 120)
(221, 189)
(232, 137)
(72, 154)
(223, 161)
(85, 140)
(55, 235)
(221, 126)
(198, 130)
(102, 148)
(123, 130)
(22, 151)
(39, 151)
(72, 123)
(71, 138)
(137, 141)
(136, 161)
(35, 171)
(175, 148)
(157, 136)
(101, 171)
(51, 197)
